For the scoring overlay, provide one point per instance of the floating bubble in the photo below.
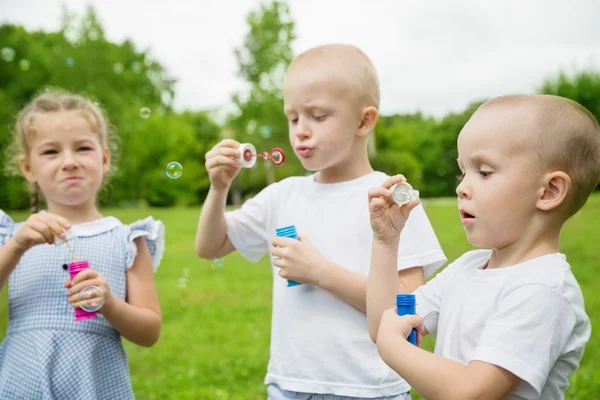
(92, 299)
(70, 61)
(174, 170)
(182, 283)
(136, 67)
(7, 54)
(217, 262)
(24, 64)
(145, 112)
(94, 35)
(265, 131)
(118, 68)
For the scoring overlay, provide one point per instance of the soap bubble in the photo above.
(70, 61)
(118, 68)
(7, 54)
(94, 35)
(24, 64)
(174, 170)
(217, 262)
(182, 283)
(145, 112)
(136, 67)
(92, 299)
(265, 131)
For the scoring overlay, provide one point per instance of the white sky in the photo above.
(434, 56)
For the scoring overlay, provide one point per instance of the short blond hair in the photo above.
(568, 139)
(347, 61)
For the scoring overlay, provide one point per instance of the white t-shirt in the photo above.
(320, 343)
(528, 318)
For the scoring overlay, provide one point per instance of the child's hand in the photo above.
(40, 228)
(393, 326)
(85, 278)
(299, 260)
(221, 163)
(387, 217)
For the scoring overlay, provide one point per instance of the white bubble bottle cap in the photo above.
(247, 157)
(403, 193)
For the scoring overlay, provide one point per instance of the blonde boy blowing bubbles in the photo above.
(319, 338)
(509, 322)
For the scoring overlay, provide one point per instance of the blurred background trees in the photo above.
(137, 93)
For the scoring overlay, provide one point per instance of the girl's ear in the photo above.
(106, 159)
(26, 169)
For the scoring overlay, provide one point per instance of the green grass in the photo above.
(215, 338)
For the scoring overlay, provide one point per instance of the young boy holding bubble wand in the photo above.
(62, 147)
(331, 99)
(509, 322)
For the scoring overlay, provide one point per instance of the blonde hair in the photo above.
(349, 62)
(567, 139)
(57, 101)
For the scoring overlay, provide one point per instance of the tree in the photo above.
(259, 118)
(123, 81)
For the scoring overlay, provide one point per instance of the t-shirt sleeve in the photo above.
(6, 228)
(419, 245)
(247, 226)
(528, 333)
(430, 296)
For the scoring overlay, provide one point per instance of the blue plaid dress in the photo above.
(46, 354)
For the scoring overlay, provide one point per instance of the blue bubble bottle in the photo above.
(288, 231)
(406, 305)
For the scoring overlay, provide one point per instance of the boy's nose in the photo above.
(302, 130)
(461, 189)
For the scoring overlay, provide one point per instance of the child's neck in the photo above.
(347, 170)
(76, 214)
(524, 249)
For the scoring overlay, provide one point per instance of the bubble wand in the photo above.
(248, 155)
(87, 306)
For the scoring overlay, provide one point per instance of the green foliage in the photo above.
(122, 80)
(259, 117)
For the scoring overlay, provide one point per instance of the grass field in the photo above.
(215, 338)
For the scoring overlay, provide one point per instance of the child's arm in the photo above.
(10, 254)
(435, 377)
(38, 229)
(139, 318)
(211, 236)
(387, 221)
(300, 261)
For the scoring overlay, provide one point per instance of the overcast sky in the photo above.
(434, 56)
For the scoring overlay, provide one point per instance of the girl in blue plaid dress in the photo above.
(63, 149)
